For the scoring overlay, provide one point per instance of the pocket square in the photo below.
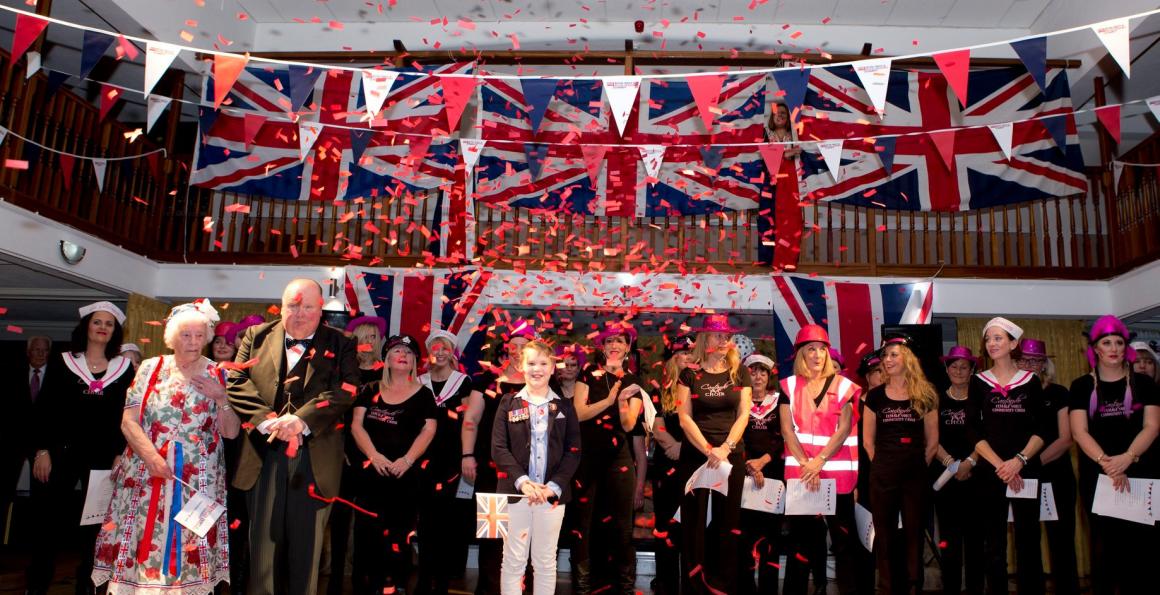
(560, 415)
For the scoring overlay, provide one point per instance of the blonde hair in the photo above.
(669, 380)
(923, 398)
(538, 347)
(412, 375)
(361, 332)
(732, 357)
(800, 368)
(450, 350)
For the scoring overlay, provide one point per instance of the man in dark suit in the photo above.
(291, 400)
(15, 440)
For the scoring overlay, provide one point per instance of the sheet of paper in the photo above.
(801, 501)
(1030, 490)
(98, 497)
(199, 513)
(947, 475)
(710, 479)
(864, 521)
(1133, 505)
(464, 491)
(1047, 510)
(770, 498)
(708, 512)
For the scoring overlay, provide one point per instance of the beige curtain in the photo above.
(1067, 346)
(145, 324)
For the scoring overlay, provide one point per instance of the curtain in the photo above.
(145, 324)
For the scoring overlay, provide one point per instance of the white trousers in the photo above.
(533, 529)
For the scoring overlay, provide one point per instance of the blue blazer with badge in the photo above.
(511, 444)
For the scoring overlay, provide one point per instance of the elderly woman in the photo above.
(1115, 418)
(175, 415)
(77, 414)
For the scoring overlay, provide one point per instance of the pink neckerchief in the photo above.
(1018, 380)
(765, 407)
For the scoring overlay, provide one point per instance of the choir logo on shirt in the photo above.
(385, 416)
(897, 414)
(715, 390)
(1008, 404)
(1116, 409)
(954, 417)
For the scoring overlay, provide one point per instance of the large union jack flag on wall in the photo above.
(853, 313)
(836, 106)
(271, 164)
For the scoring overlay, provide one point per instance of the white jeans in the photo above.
(538, 526)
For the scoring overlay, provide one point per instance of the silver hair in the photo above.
(35, 338)
(174, 323)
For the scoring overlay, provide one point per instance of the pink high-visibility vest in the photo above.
(814, 427)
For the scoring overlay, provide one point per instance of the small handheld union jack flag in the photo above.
(491, 516)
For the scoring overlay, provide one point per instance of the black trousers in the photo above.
(714, 550)
(238, 513)
(1061, 537)
(286, 525)
(382, 544)
(490, 550)
(959, 537)
(668, 488)
(808, 543)
(761, 538)
(11, 464)
(57, 505)
(991, 498)
(898, 487)
(604, 513)
(341, 519)
(1123, 554)
(444, 525)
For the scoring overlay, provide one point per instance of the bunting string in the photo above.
(4, 132)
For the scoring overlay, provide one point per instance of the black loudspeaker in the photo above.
(926, 343)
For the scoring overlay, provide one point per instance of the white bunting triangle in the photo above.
(308, 133)
(652, 156)
(33, 65)
(1002, 134)
(3, 134)
(99, 166)
(875, 78)
(1117, 171)
(1154, 105)
(376, 86)
(154, 105)
(158, 57)
(1114, 34)
(832, 152)
(622, 92)
(470, 149)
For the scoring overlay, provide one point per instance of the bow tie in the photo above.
(290, 343)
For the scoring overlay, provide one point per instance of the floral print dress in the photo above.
(141, 549)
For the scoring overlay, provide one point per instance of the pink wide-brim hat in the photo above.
(613, 329)
(1032, 348)
(717, 323)
(960, 352)
(378, 321)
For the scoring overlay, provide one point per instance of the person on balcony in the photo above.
(714, 400)
(819, 422)
(765, 461)
(1115, 419)
(1007, 422)
(1057, 466)
(783, 209)
(669, 477)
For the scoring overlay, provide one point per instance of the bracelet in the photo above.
(1022, 458)
(946, 462)
(1101, 458)
(971, 461)
(39, 454)
(468, 455)
(1135, 457)
(731, 444)
(408, 461)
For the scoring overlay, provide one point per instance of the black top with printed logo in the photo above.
(602, 437)
(393, 428)
(898, 429)
(1008, 421)
(1113, 430)
(715, 398)
(445, 451)
(952, 427)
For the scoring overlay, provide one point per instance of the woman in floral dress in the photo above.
(176, 414)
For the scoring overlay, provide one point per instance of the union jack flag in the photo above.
(491, 516)
(665, 114)
(413, 303)
(836, 106)
(271, 164)
(853, 313)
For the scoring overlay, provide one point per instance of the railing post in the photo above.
(1110, 191)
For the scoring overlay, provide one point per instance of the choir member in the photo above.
(764, 448)
(669, 483)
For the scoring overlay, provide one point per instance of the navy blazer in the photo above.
(511, 446)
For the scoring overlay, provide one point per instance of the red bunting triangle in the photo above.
(944, 141)
(593, 160)
(226, 70)
(66, 169)
(955, 66)
(253, 123)
(457, 91)
(28, 28)
(772, 154)
(155, 168)
(706, 91)
(418, 149)
(109, 98)
(1109, 116)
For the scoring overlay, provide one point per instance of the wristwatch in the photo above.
(731, 444)
(1022, 457)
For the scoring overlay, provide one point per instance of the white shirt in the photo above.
(293, 356)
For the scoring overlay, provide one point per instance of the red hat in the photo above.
(717, 323)
(612, 329)
(223, 329)
(811, 333)
(375, 320)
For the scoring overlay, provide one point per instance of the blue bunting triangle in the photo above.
(1057, 127)
(1033, 53)
(206, 117)
(359, 139)
(794, 83)
(712, 157)
(94, 48)
(538, 93)
(884, 146)
(31, 154)
(535, 153)
(56, 79)
(302, 79)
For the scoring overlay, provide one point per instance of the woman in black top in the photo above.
(1007, 421)
(1057, 470)
(1115, 418)
(668, 481)
(79, 417)
(901, 438)
(608, 403)
(957, 515)
(713, 401)
(765, 461)
(394, 422)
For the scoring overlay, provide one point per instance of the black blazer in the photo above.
(320, 395)
(511, 446)
(17, 439)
